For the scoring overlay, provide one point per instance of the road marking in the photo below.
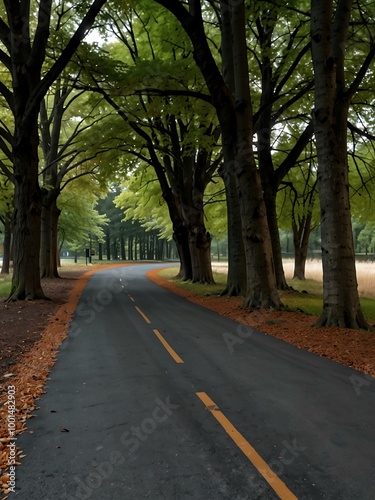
(171, 351)
(143, 315)
(272, 479)
(131, 298)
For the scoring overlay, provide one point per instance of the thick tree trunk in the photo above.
(7, 244)
(301, 234)
(181, 238)
(236, 279)
(48, 242)
(100, 251)
(341, 306)
(261, 283)
(200, 251)
(26, 284)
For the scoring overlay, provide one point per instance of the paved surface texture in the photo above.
(153, 397)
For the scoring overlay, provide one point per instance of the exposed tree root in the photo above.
(332, 316)
(258, 300)
(232, 290)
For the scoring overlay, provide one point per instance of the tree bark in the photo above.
(270, 194)
(7, 244)
(181, 238)
(49, 229)
(200, 249)
(236, 279)
(26, 284)
(261, 283)
(341, 306)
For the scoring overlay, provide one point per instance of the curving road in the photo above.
(153, 397)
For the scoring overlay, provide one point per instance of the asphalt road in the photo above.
(153, 397)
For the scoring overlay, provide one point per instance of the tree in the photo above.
(23, 57)
(299, 199)
(175, 135)
(235, 118)
(72, 148)
(333, 96)
(285, 81)
(80, 220)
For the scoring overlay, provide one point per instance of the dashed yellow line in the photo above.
(272, 479)
(171, 351)
(143, 315)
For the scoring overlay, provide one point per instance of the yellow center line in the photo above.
(171, 351)
(272, 479)
(143, 315)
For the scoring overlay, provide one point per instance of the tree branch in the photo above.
(64, 58)
(171, 92)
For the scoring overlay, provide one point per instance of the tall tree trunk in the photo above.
(261, 283)
(200, 250)
(270, 193)
(236, 279)
(49, 230)
(181, 238)
(7, 244)
(190, 205)
(341, 306)
(26, 284)
(100, 251)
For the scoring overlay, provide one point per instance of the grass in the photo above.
(5, 284)
(201, 290)
(305, 296)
